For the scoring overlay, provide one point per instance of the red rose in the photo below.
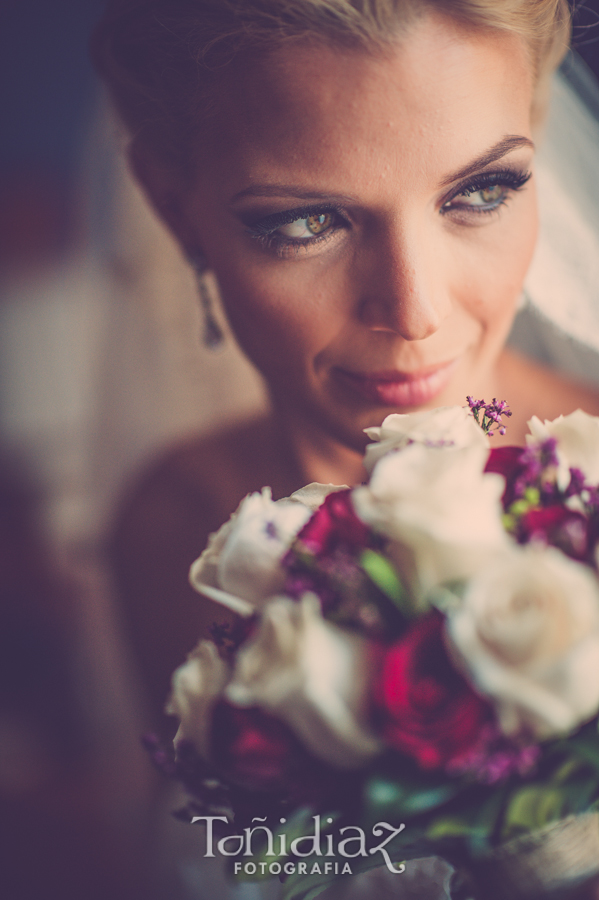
(559, 526)
(331, 540)
(257, 751)
(428, 710)
(506, 461)
(335, 524)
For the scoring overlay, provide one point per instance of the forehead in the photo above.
(437, 96)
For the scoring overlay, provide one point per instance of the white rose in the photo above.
(310, 674)
(313, 495)
(527, 632)
(446, 426)
(578, 443)
(441, 512)
(196, 685)
(249, 565)
(243, 558)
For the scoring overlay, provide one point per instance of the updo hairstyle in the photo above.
(163, 60)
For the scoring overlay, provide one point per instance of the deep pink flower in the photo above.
(427, 708)
(507, 461)
(334, 524)
(325, 557)
(260, 752)
(559, 526)
(496, 757)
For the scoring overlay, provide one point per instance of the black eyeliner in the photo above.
(268, 224)
(512, 179)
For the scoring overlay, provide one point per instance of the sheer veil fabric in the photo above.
(559, 318)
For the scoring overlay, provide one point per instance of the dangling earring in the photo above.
(212, 335)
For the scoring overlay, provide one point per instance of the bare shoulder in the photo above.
(535, 390)
(202, 478)
(162, 525)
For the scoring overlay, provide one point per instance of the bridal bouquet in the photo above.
(414, 664)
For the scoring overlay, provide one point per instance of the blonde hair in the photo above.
(163, 59)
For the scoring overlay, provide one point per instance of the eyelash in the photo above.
(509, 179)
(265, 230)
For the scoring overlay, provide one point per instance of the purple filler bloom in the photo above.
(271, 530)
(535, 459)
(488, 415)
(495, 757)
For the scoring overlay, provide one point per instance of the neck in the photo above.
(317, 456)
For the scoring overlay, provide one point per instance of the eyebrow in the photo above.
(502, 148)
(506, 145)
(288, 190)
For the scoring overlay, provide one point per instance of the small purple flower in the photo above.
(491, 414)
(535, 459)
(437, 445)
(577, 483)
(495, 758)
(271, 529)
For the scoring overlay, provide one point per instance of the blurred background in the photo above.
(101, 368)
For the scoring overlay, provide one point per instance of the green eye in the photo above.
(491, 194)
(484, 198)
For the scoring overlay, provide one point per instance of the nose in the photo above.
(405, 287)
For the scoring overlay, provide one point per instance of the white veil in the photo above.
(559, 321)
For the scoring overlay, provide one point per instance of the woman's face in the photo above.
(370, 220)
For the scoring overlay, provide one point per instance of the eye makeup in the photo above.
(510, 180)
(323, 221)
(266, 229)
(269, 224)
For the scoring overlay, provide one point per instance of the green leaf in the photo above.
(448, 827)
(387, 797)
(383, 795)
(564, 772)
(383, 574)
(423, 801)
(580, 793)
(532, 808)
(486, 820)
(586, 747)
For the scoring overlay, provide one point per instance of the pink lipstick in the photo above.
(400, 389)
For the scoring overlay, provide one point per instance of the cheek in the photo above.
(498, 265)
(283, 316)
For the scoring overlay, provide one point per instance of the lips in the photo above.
(400, 389)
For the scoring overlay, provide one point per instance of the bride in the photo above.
(359, 177)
